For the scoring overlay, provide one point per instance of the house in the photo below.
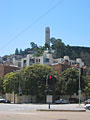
(4, 69)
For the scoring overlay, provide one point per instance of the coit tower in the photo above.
(47, 35)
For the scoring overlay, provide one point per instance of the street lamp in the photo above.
(79, 91)
(19, 87)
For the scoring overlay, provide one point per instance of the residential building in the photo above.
(4, 69)
(46, 59)
(60, 67)
(1, 60)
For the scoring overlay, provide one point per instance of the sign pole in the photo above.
(79, 88)
(49, 105)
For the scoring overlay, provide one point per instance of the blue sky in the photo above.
(69, 21)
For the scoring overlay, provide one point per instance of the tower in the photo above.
(47, 35)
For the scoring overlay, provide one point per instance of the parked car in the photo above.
(87, 106)
(87, 101)
(73, 100)
(61, 101)
(3, 100)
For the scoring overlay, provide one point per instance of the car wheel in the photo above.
(89, 107)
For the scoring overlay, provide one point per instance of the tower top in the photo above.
(47, 29)
(47, 35)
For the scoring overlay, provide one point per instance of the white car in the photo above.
(61, 101)
(87, 106)
(87, 101)
(3, 100)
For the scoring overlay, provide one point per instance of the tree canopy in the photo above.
(1, 85)
(30, 80)
(70, 81)
(33, 81)
(34, 77)
(11, 82)
(87, 90)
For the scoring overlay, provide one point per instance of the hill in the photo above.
(60, 50)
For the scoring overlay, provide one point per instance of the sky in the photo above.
(24, 21)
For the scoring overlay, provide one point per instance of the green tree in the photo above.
(33, 45)
(59, 48)
(16, 51)
(47, 46)
(33, 79)
(52, 40)
(11, 82)
(58, 87)
(86, 91)
(21, 52)
(1, 85)
(70, 78)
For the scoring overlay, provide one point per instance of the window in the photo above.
(36, 60)
(19, 64)
(46, 60)
(32, 60)
(24, 63)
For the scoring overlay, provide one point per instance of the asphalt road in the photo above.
(28, 112)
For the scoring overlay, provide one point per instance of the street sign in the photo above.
(49, 98)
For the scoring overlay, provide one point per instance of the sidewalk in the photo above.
(65, 108)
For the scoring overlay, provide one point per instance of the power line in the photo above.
(35, 21)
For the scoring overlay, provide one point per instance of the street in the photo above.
(29, 112)
(34, 115)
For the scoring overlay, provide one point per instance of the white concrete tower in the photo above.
(47, 35)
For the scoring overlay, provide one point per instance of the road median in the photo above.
(55, 110)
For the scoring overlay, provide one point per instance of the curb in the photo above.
(61, 110)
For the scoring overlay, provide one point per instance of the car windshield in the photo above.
(1, 97)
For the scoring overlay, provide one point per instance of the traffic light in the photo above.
(50, 77)
(20, 93)
(44, 80)
(50, 80)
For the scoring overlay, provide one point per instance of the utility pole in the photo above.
(79, 91)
